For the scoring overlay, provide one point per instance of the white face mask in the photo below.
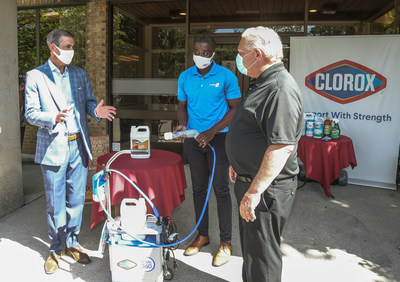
(65, 55)
(202, 62)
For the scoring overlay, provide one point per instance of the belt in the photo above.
(73, 137)
(244, 178)
(248, 178)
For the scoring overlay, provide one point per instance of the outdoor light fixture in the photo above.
(329, 9)
(176, 15)
(312, 11)
(50, 17)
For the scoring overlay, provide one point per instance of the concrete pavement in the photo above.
(354, 237)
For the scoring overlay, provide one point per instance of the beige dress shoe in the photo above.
(195, 247)
(223, 254)
(51, 264)
(78, 254)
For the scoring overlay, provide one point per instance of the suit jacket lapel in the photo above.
(58, 96)
(72, 81)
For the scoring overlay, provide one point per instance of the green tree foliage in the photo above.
(26, 40)
(170, 61)
(326, 30)
(387, 24)
(169, 38)
(170, 65)
(128, 51)
(72, 19)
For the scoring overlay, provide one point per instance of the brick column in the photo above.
(96, 57)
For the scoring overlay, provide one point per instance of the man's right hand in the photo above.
(180, 128)
(61, 116)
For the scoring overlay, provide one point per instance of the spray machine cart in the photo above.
(140, 245)
(131, 260)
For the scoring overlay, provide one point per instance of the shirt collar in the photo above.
(213, 70)
(265, 75)
(55, 69)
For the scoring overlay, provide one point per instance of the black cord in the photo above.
(302, 185)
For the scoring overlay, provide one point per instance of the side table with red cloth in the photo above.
(323, 160)
(161, 177)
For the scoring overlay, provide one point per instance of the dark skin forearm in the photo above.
(182, 113)
(226, 120)
(206, 136)
(209, 134)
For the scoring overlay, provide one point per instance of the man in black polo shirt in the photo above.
(261, 147)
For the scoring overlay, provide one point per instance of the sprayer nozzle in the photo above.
(168, 135)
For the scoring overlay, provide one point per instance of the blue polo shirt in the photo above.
(207, 96)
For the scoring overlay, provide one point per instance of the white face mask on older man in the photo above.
(65, 55)
(202, 62)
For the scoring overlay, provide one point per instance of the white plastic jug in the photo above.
(140, 142)
(133, 217)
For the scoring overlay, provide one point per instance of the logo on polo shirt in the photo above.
(345, 82)
(215, 84)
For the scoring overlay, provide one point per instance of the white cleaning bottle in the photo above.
(188, 133)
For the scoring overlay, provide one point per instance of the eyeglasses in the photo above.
(245, 55)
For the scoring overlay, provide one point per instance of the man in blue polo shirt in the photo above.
(208, 97)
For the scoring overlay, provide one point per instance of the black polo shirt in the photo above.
(270, 113)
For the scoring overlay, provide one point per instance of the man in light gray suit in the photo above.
(58, 98)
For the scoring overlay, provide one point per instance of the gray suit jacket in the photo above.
(43, 101)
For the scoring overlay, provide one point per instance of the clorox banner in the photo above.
(345, 82)
(355, 79)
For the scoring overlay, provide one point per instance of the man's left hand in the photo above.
(248, 205)
(205, 137)
(107, 112)
(232, 174)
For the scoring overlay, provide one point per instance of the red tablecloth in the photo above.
(161, 178)
(323, 160)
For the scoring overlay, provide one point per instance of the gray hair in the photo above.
(265, 39)
(55, 36)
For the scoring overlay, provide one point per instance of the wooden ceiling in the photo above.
(248, 11)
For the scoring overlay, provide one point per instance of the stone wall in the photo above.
(11, 190)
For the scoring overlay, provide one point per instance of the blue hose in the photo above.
(155, 210)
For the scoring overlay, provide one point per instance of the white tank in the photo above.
(133, 217)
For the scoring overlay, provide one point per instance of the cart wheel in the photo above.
(343, 178)
(168, 274)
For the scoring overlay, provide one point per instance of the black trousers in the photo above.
(201, 164)
(260, 240)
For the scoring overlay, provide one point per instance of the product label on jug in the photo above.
(140, 146)
(318, 130)
(327, 129)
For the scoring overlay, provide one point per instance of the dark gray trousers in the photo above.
(260, 240)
